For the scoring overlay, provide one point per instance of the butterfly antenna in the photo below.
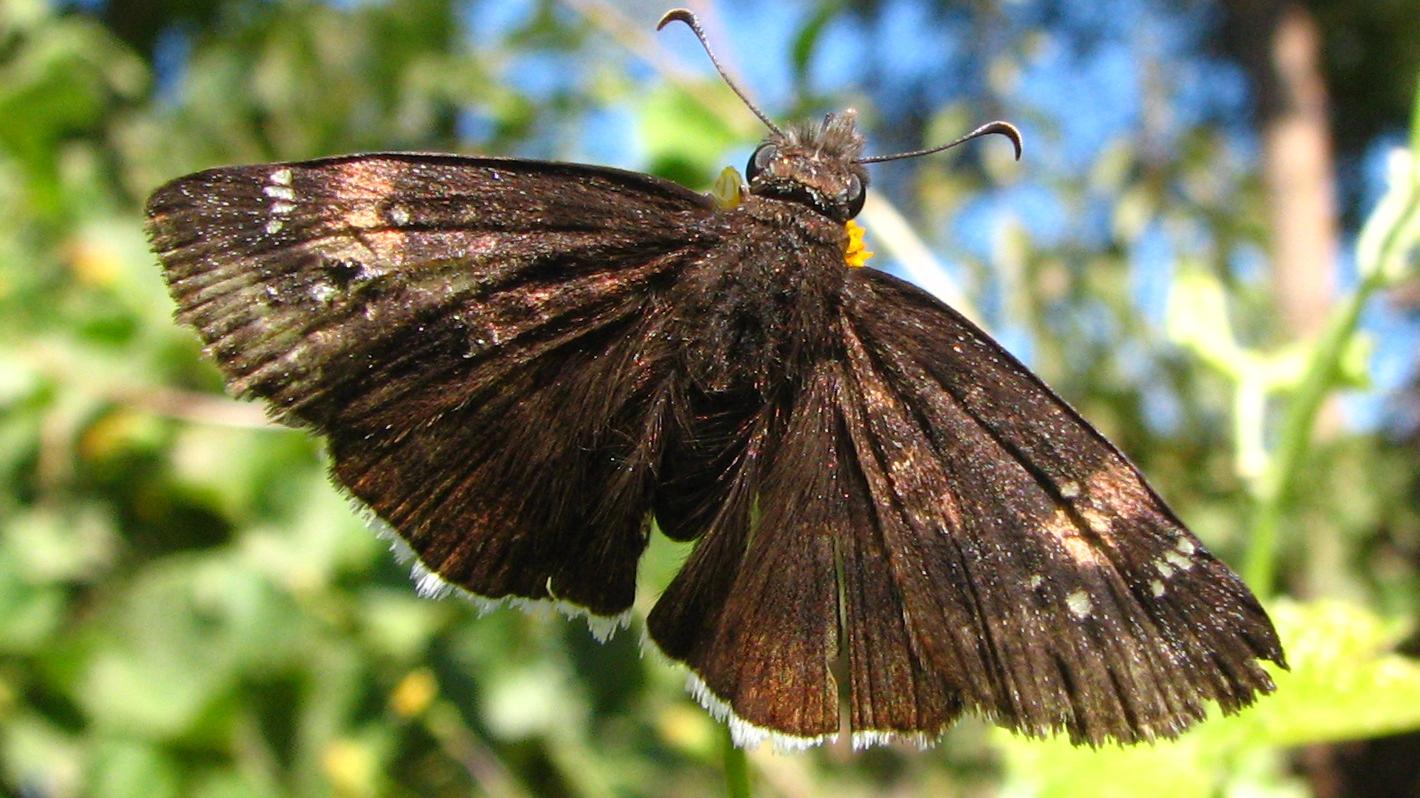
(1002, 128)
(689, 18)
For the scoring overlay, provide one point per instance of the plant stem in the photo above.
(1299, 418)
(736, 767)
(1384, 243)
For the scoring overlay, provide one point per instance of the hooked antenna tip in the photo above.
(678, 15)
(689, 18)
(1006, 129)
(998, 127)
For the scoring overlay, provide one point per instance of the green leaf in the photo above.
(802, 49)
(1198, 321)
(178, 640)
(30, 614)
(37, 752)
(128, 769)
(684, 139)
(62, 544)
(228, 784)
(400, 624)
(1346, 683)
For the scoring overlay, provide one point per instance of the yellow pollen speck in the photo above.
(349, 766)
(414, 693)
(93, 263)
(855, 254)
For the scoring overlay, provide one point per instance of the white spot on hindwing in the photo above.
(1069, 489)
(398, 215)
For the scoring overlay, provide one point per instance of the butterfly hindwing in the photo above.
(769, 600)
(478, 338)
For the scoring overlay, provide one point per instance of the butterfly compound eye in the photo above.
(855, 195)
(760, 160)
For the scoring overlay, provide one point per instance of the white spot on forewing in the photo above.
(282, 208)
(1034, 581)
(1165, 570)
(1178, 561)
(1156, 587)
(1079, 604)
(1062, 527)
(1116, 485)
(398, 215)
(1069, 489)
(280, 193)
(281, 177)
(1185, 546)
(274, 226)
(364, 217)
(1098, 522)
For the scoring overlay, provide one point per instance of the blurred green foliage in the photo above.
(188, 609)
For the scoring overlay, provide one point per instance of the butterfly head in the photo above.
(816, 165)
(819, 166)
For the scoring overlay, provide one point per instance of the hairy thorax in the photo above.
(759, 309)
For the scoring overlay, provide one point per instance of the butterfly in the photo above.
(522, 368)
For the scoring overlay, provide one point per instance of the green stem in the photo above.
(1384, 243)
(1415, 121)
(1249, 424)
(1298, 420)
(736, 767)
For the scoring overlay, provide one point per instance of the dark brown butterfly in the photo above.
(520, 364)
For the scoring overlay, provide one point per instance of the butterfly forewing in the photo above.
(480, 339)
(1083, 604)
